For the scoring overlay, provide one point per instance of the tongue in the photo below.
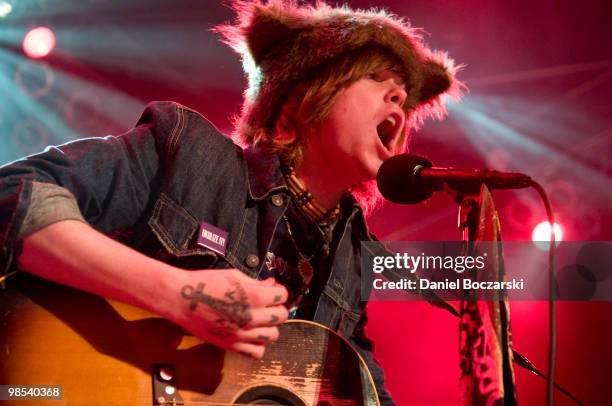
(385, 131)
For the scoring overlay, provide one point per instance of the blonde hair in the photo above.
(310, 102)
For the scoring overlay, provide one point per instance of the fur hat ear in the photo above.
(436, 80)
(268, 36)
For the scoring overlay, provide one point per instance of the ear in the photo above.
(436, 80)
(268, 36)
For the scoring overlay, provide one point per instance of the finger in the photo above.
(269, 281)
(240, 276)
(268, 316)
(269, 295)
(255, 351)
(259, 335)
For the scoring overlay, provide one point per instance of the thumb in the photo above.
(242, 277)
(268, 281)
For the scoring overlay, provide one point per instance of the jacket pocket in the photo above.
(176, 229)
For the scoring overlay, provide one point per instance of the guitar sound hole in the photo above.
(269, 395)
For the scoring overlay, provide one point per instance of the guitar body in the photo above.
(106, 352)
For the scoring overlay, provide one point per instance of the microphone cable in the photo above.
(552, 286)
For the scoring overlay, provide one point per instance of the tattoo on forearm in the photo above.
(274, 319)
(277, 298)
(236, 306)
(263, 338)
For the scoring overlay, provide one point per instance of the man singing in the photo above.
(266, 230)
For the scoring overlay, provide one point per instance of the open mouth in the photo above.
(388, 130)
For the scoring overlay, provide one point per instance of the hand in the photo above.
(227, 308)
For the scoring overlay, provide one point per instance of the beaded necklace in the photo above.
(309, 204)
(325, 219)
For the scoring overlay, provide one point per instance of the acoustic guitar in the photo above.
(106, 352)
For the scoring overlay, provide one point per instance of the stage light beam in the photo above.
(38, 42)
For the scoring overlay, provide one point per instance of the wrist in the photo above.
(159, 290)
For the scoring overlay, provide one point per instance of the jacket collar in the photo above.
(351, 206)
(263, 172)
(265, 177)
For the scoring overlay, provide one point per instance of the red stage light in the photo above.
(541, 232)
(39, 42)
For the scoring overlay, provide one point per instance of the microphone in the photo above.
(409, 179)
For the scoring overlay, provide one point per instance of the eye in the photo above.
(375, 76)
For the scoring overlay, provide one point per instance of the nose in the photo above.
(396, 94)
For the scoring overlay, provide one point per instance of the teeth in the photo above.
(391, 119)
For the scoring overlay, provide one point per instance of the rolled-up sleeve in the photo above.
(49, 204)
(111, 179)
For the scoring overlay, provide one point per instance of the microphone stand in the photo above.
(467, 220)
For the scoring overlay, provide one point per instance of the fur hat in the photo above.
(281, 42)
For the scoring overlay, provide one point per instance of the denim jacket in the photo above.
(151, 187)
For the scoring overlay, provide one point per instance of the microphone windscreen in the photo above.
(398, 179)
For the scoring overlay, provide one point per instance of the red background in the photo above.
(539, 74)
